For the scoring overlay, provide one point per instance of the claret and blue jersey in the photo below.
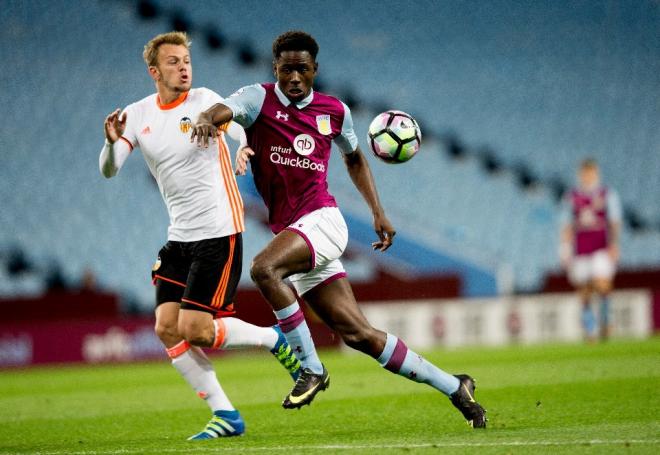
(590, 212)
(292, 144)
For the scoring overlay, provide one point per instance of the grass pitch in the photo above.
(553, 399)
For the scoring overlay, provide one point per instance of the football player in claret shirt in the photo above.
(591, 222)
(290, 129)
(199, 267)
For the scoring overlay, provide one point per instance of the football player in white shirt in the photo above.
(199, 267)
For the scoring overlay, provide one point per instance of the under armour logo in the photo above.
(298, 349)
(412, 375)
(281, 116)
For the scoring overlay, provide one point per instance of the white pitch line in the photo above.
(439, 445)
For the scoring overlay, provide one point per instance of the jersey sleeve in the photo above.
(614, 211)
(211, 98)
(347, 141)
(234, 130)
(246, 104)
(130, 131)
(113, 156)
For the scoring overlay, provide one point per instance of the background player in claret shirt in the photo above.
(591, 221)
(290, 129)
(198, 269)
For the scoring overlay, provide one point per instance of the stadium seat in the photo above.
(545, 105)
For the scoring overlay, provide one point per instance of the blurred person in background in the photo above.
(589, 249)
(198, 269)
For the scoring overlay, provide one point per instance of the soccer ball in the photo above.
(394, 136)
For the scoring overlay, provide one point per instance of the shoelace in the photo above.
(284, 356)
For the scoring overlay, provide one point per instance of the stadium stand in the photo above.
(541, 85)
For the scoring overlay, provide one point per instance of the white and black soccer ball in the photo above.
(394, 136)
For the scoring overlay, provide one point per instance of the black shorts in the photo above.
(202, 275)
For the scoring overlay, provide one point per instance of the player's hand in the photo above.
(385, 232)
(114, 126)
(204, 133)
(242, 159)
(614, 252)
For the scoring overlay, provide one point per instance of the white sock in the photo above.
(198, 371)
(233, 333)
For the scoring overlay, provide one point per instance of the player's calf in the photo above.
(364, 339)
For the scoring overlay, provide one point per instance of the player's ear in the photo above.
(154, 73)
(316, 67)
(275, 68)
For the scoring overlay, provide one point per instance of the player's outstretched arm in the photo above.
(114, 151)
(358, 169)
(206, 126)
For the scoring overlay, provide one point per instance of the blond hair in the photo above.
(150, 53)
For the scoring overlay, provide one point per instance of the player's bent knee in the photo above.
(584, 291)
(262, 272)
(196, 332)
(166, 332)
(196, 337)
(602, 286)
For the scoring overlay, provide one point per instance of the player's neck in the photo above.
(166, 96)
(590, 188)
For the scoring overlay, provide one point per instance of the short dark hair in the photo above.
(589, 163)
(295, 40)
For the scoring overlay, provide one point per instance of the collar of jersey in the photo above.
(590, 191)
(286, 101)
(173, 104)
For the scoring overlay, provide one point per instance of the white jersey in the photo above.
(197, 184)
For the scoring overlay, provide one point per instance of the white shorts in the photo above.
(326, 235)
(585, 268)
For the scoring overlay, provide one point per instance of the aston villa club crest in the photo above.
(185, 125)
(323, 124)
